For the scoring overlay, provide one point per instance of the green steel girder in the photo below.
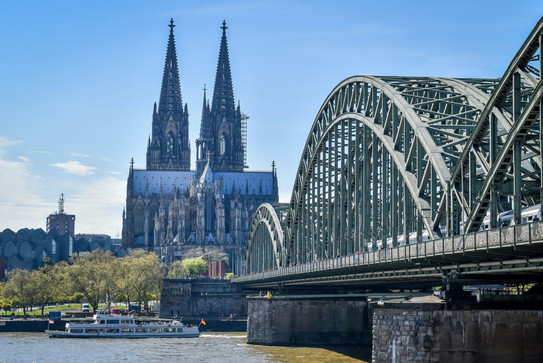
(514, 94)
(389, 158)
(265, 242)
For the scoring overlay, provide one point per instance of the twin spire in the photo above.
(170, 94)
(220, 143)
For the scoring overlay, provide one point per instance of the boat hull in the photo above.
(64, 334)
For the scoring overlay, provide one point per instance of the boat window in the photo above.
(114, 321)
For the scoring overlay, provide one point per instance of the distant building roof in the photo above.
(165, 181)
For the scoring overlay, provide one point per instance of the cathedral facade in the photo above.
(170, 207)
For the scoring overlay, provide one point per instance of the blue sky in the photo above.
(78, 80)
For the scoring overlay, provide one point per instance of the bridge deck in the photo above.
(502, 254)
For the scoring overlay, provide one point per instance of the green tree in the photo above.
(45, 286)
(123, 279)
(62, 291)
(146, 276)
(90, 275)
(176, 270)
(194, 266)
(19, 288)
(5, 302)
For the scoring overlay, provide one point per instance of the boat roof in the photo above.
(107, 316)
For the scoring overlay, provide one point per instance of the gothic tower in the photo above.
(168, 147)
(220, 133)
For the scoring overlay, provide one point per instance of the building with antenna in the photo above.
(62, 222)
(169, 207)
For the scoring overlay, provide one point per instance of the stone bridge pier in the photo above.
(403, 331)
(313, 320)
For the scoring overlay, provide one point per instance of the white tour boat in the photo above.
(123, 326)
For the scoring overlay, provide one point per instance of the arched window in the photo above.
(222, 145)
(169, 143)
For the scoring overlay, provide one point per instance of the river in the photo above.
(209, 347)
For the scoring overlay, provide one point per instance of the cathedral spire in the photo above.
(169, 147)
(220, 131)
(204, 126)
(170, 93)
(223, 94)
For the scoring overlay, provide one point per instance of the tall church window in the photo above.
(169, 143)
(222, 145)
(138, 221)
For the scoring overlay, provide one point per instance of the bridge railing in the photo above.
(482, 241)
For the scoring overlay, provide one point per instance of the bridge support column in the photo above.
(428, 333)
(308, 320)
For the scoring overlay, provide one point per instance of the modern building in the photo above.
(30, 248)
(62, 222)
(168, 206)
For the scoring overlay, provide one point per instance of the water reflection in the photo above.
(312, 354)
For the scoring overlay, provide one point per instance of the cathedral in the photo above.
(170, 207)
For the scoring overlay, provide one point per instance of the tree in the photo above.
(91, 276)
(194, 266)
(19, 288)
(176, 270)
(146, 276)
(123, 279)
(5, 303)
(229, 276)
(45, 286)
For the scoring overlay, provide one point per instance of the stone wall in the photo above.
(308, 321)
(401, 335)
(432, 335)
(202, 298)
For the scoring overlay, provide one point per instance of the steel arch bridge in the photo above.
(395, 158)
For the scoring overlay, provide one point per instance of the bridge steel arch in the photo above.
(265, 247)
(376, 165)
(389, 158)
(511, 163)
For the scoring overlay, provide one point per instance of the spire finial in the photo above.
(224, 27)
(205, 89)
(171, 25)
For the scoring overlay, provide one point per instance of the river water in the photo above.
(209, 347)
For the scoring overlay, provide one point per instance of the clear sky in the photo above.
(78, 80)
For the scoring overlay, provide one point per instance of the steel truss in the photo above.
(390, 159)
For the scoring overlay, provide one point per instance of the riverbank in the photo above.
(41, 324)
